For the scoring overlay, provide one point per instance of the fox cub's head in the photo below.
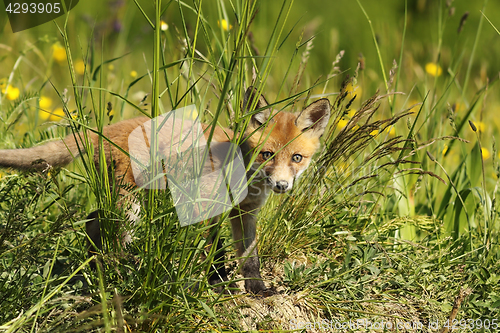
(285, 141)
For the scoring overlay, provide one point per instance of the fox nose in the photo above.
(282, 185)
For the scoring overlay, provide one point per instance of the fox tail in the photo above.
(51, 154)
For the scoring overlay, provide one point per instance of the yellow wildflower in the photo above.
(45, 102)
(133, 74)
(225, 26)
(374, 133)
(391, 130)
(111, 67)
(56, 115)
(445, 149)
(163, 26)
(11, 92)
(485, 153)
(342, 123)
(80, 67)
(433, 69)
(353, 90)
(58, 53)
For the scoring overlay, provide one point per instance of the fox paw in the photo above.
(222, 288)
(256, 287)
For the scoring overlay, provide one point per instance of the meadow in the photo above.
(394, 227)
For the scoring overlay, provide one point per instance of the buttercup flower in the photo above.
(55, 115)
(342, 123)
(58, 53)
(133, 74)
(45, 102)
(225, 26)
(485, 153)
(80, 67)
(353, 90)
(391, 130)
(11, 92)
(445, 149)
(433, 69)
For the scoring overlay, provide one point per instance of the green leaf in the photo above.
(207, 309)
(445, 200)
(96, 71)
(474, 165)
(462, 222)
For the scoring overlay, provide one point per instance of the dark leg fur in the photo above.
(94, 243)
(217, 271)
(244, 227)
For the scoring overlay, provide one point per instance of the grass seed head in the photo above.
(472, 126)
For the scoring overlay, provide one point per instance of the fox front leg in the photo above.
(244, 225)
(217, 273)
(94, 243)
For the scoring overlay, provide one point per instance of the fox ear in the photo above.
(314, 117)
(250, 95)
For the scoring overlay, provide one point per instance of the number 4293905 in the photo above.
(33, 8)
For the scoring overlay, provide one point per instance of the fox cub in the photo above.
(283, 142)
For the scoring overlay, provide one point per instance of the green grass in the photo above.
(395, 221)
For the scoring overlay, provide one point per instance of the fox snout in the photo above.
(279, 182)
(280, 186)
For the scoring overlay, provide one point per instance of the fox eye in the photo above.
(297, 158)
(266, 154)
